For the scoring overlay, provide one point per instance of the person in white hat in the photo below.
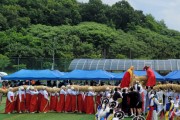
(9, 102)
(34, 100)
(61, 103)
(20, 100)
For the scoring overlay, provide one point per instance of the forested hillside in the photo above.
(69, 29)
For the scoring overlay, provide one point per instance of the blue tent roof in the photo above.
(139, 73)
(174, 75)
(34, 75)
(88, 75)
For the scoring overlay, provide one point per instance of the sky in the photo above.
(167, 10)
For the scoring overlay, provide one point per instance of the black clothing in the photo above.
(139, 101)
(116, 96)
(125, 106)
(133, 96)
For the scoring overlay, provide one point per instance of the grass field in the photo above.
(42, 116)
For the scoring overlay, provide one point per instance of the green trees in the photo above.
(4, 61)
(67, 29)
(87, 40)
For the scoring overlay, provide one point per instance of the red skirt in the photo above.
(28, 98)
(53, 103)
(39, 100)
(61, 103)
(85, 104)
(68, 103)
(44, 105)
(33, 104)
(80, 103)
(89, 105)
(150, 113)
(73, 103)
(98, 101)
(9, 105)
(21, 105)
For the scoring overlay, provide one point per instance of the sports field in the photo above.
(44, 116)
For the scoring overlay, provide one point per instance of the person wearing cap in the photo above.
(68, 99)
(169, 109)
(9, 102)
(152, 113)
(28, 98)
(90, 101)
(127, 78)
(44, 107)
(34, 100)
(53, 102)
(61, 103)
(20, 100)
(73, 100)
(151, 76)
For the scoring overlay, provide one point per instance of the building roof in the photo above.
(123, 64)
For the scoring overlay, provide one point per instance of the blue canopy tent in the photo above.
(57, 72)
(34, 75)
(87, 75)
(139, 73)
(174, 75)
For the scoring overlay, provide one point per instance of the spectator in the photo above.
(49, 83)
(116, 94)
(139, 103)
(27, 82)
(38, 82)
(54, 84)
(133, 96)
(91, 83)
(125, 106)
(86, 83)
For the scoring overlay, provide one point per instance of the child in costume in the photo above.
(153, 103)
(169, 108)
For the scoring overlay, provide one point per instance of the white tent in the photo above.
(2, 74)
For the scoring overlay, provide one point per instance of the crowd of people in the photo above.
(133, 99)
